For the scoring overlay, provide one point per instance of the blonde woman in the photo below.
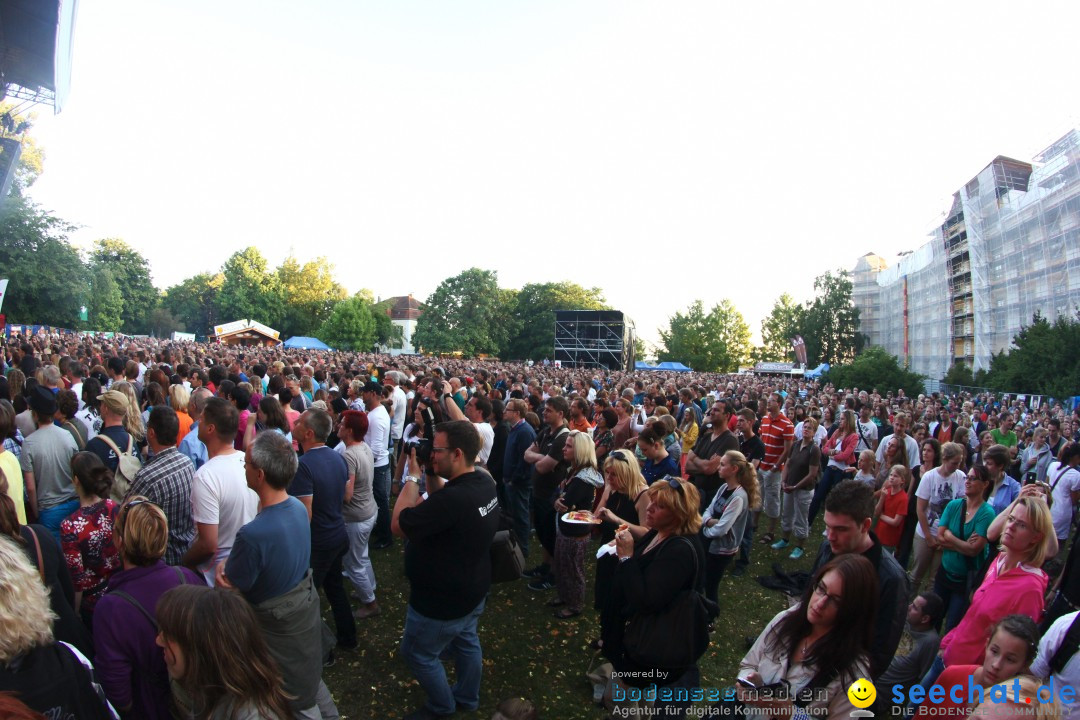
(624, 501)
(49, 676)
(689, 433)
(132, 420)
(577, 492)
(178, 401)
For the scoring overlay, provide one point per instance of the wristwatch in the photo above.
(410, 479)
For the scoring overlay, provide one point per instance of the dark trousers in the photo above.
(746, 544)
(380, 488)
(544, 521)
(326, 574)
(715, 565)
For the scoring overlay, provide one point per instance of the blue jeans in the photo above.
(424, 641)
(746, 544)
(380, 488)
(50, 518)
(520, 495)
(931, 676)
(829, 479)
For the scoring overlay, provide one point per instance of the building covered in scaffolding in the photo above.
(1008, 248)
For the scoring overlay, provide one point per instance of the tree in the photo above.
(249, 292)
(105, 309)
(309, 293)
(534, 313)
(351, 326)
(193, 302)
(163, 323)
(1041, 359)
(876, 368)
(959, 374)
(830, 324)
(783, 322)
(48, 281)
(643, 351)
(131, 272)
(718, 341)
(466, 314)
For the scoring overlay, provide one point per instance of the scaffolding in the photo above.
(1009, 247)
(594, 338)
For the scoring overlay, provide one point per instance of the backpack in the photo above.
(126, 468)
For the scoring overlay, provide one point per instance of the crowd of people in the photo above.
(168, 507)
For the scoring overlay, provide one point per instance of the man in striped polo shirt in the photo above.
(778, 435)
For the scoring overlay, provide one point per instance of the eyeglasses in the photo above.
(619, 455)
(822, 591)
(1018, 524)
(441, 449)
(673, 481)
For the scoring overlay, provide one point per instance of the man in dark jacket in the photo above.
(849, 510)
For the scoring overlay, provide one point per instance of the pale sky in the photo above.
(661, 151)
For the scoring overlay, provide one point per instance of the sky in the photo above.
(663, 152)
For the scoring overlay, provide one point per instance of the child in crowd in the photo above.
(867, 468)
(892, 507)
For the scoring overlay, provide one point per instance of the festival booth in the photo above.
(662, 367)
(248, 333)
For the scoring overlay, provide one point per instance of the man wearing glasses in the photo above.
(448, 563)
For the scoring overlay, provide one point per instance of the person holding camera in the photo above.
(448, 565)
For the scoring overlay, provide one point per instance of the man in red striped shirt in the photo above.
(778, 435)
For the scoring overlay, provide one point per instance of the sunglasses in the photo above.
(126, 509)
(673, 481)
(619, 455)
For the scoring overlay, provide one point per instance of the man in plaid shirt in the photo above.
(166, 480)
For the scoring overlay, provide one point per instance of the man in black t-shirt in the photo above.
(753, 449)
(448, 564)
(703, 462)
(549, 469)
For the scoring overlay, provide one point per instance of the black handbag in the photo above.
(507, 560)
(676, 636)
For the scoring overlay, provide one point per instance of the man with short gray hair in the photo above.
(270, 565)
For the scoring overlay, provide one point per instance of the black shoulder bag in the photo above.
(676, 636)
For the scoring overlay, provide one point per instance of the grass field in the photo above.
(527, 652)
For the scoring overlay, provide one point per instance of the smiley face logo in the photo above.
(862, 693)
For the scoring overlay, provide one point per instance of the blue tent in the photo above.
(673, 367)
(298, 342)
(664, 366)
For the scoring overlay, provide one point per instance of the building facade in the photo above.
(404, 311)
(1008, 248)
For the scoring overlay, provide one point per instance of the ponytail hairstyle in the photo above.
(747, 478)
(93, 476)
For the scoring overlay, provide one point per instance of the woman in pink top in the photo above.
(1013, 584)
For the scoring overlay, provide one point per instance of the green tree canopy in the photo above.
(193, 302)
(310, 293)
(131, 271)
(783, 322)
(48, 281)
(466, 314)
(534, 312)
(105, 311)
(248, 290)
(351, 325)
(717, 341)
(830, 323)
(1042, 359)
(875, 367)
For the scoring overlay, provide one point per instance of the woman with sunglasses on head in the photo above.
(657, 563)
(817, 648)
(216, 655)
(130, 665)
(624, 501)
